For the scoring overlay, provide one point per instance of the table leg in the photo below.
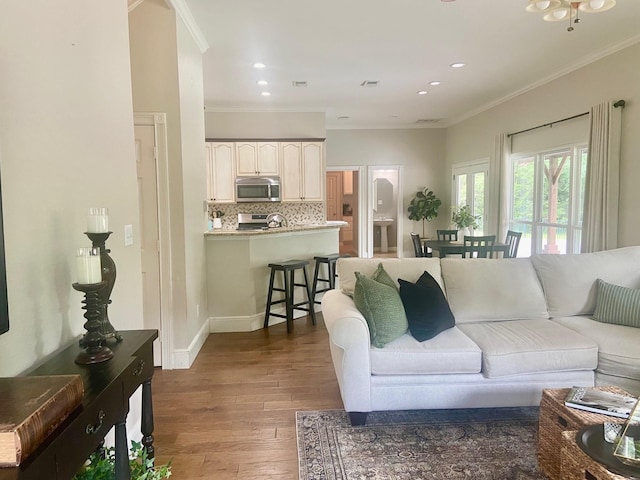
(122, 452)
(147, 419)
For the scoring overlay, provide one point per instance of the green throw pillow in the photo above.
(381, 276)
(382, 308)
(618, 305)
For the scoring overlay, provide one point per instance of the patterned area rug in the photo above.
(486, 444)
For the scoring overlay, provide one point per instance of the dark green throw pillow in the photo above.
(382, 308)
(618, 305)
(426, 307)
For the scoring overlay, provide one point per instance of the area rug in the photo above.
(480, 444)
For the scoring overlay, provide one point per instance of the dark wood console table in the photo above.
(107, 386)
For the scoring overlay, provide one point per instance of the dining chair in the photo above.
(513, 240)
(482, 246)
(447, 235)
(417, 245)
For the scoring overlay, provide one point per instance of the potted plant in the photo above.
(101, 465)
(424, 206)
(464, 219)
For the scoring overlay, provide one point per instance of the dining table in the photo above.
(446, 247)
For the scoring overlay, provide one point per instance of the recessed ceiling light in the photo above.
(434, 83)
(422, 92)
(259, 65)
(299, 83)
(457, 65)
(262, 82)
(265, 94)
(344, 117)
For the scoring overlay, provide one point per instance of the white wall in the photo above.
(420, 151)
(66, 144)
(611, 78)
(166, 69)
(265, 125)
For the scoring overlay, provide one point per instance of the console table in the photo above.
(108, 386)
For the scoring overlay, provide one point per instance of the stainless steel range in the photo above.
(253, 221)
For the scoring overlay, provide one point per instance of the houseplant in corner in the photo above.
(464, 219)
(424, 206)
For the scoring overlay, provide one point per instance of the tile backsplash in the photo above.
(295, 213)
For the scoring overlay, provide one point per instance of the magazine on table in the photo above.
(599, 401)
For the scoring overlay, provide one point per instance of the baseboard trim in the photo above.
(247, 323)
(184, 358)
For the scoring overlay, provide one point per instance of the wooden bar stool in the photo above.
(329, 260)
(288, 270)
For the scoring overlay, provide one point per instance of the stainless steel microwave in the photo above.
(258, 189)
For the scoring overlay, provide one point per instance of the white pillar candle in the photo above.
(98, 220)
(88, 265)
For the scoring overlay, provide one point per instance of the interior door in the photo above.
(149, 232)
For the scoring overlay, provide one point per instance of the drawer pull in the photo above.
(91, 429)
(562, 421)
(139, 369)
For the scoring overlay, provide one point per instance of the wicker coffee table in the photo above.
(577, 465)
(556, 418)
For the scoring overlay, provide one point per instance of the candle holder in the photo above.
(93, 342)
(98, 240)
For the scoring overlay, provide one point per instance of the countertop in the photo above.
(271, 231)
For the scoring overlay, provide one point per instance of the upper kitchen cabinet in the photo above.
(256, 158)
(221, 172)
(302, 171)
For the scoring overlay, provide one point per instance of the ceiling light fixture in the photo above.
(457, 65)
(558, 10)
(259, 65)
(265, 94)
(262, 82)
(435, 83)
(422, 92)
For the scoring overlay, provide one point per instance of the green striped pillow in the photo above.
(618, 305)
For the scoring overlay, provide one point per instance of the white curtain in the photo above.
(600, 220)
(502, 151)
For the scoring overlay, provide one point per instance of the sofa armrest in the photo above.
(350, 346)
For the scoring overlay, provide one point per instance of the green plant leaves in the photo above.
(424, 206)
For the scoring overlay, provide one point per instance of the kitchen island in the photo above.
(238, 272)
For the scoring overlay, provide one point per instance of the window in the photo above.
(469, 181)
(547, 197)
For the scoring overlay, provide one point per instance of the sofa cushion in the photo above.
(382, 308)
(618, 352)
(409, 269)
(530, 346)
(450, 352)
(569, 281)
(427, 309)
(492, 289)
(616, 304)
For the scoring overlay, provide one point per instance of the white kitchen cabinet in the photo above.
(221, 172)
(302, 171)
(346, 233)
(256, 158)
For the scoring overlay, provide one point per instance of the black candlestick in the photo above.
(98, 240)
(95, 350)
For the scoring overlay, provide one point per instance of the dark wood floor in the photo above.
(232, 414)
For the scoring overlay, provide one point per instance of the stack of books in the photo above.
(600, 401)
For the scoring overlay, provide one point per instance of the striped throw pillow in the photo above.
(618, 305)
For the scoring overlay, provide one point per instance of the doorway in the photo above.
(384, 211)
(151, 168)
(343, 193)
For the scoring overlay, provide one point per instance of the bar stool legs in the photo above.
(330, 262)
(288, 270)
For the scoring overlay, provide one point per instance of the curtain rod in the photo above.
(619, 103)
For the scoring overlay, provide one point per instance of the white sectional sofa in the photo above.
(521, 325)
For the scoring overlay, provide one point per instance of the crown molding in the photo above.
(600, 54)
(186, 16)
